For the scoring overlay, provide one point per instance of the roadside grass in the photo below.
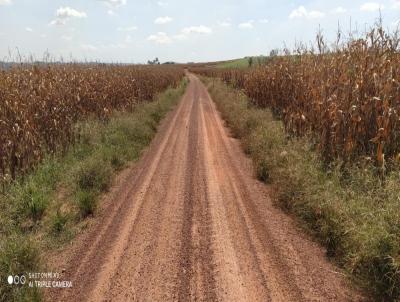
(48, 207)
(353, 213)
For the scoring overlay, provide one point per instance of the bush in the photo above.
(94, 174)
(86, 202)
(58, 222)
(32, 201)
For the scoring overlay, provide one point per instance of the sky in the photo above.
(133, 31)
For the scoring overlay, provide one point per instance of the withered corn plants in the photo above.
(39, 105)
(346, 96)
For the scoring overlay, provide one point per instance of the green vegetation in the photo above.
(48, 206)
(352, 212)
(243, 62)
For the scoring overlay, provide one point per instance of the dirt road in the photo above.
(190, 222)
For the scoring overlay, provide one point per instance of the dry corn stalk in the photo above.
(40, 105)
(348, 98)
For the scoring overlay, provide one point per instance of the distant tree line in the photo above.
(156, 61)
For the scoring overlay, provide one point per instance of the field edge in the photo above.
(50, 206)
(332, 209)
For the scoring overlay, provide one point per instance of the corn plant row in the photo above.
(39, 105)
(346, 96)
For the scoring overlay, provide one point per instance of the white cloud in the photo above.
(197, 30)
(162, 3)
(43, 36)
(302, 12)
(298, 12)
(63, 14)
(67, 12)
(111, 12)
(183, 35)
(160, 38)
(129, 28)
(265, 21)
(339, 10)
(315, 14)
(5, 2)
(371, 7)
(29, 29)
(163, 20)
(88, 47)
(114, 3)
(246, 25)
(58, 22)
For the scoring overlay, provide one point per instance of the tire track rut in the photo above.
(190, 223)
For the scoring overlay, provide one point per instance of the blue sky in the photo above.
(192, 30)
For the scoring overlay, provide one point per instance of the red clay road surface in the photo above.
(190, 223)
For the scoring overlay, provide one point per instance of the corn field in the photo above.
(39, 105)
(346, 97)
